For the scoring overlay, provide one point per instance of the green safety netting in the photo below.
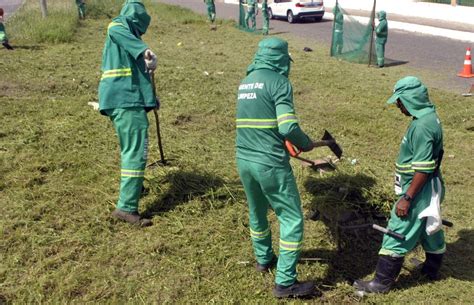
(352, 38)
(245, 15)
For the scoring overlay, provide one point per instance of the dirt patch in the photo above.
(181, 119)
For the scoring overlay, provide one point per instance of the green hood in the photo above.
(381, 15)
(137, 17)
(272, 54)
(414, 96)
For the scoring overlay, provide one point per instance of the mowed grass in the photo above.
(60, 174)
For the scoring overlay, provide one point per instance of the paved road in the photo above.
(9, 6)
(443, 56)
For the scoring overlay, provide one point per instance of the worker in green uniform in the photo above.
(125, 96)
(81, 8)
(338, 42)
(265, 118)
(211, 12)
(3, 33)
(266, 18)
(381, 33)
(420, 188)
(250, 15)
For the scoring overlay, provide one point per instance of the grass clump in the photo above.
(103, 8)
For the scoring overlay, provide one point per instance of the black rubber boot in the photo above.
(386, 273)
(431, 265)
(297, 290)
(132, 217)
(267, 267)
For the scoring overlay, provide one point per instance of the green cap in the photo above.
(414, 96)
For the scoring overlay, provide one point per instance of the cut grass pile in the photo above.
(60, 173)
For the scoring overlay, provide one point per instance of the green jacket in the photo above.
(252, 5)
(381, 31)
(265, 111)
(3, 34)
(423, 141)
(125, 82)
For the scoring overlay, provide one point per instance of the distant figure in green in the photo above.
(211, 12)
(3, 34)
(338, 43)
(266, 18)
(251, 13)
(81, 8)
(381, 33)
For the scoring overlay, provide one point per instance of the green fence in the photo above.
(459, 2)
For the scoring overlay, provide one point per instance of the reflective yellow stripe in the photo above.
(132, 173)
(114, 24)
(290, 245)
(117, 73)
(403, 168)
(424, 165)
(256, 123)
(262, 234)
(256, 120)
(286, 118)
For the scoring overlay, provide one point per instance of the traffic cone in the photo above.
(467, 72)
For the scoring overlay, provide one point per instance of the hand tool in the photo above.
(157, 120)
(327, 140)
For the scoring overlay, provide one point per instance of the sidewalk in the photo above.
(444, 20)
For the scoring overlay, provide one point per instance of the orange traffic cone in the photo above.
(467, 72)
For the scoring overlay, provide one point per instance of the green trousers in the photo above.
(81, 10)
(276, 187)
(413, 228)
(211, 12)
(131, 126)
(266, 24)
(250, 16)
(380, 51)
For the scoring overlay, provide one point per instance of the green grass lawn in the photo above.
(59, 165)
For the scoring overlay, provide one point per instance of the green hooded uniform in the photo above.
(126, 94)
(81, 8)
(265, 118)
(338, 41)
(211, 10)
(3, 33)
(266, 18)
(419, 152)
(250, 14)
(381, 33)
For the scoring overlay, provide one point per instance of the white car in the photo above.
(292, 10)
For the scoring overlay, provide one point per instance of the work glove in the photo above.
(151, 61)
(94, 105)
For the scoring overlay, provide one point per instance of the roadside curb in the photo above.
(404, 26)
